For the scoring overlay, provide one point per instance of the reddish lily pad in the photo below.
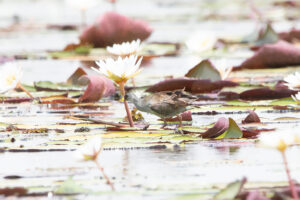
(112, 28)
(99, 86)
(218, 129)
(280, 54)
(191, 85)
(291, 35)
(15, 191)
(186, 116)
(266, 94)
(252, 117)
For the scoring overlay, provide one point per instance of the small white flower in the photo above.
(293, 81)
(121, 69)
(279, 141)
(126, 48)
(90, 150)
(10, 76)
(82, 4)
(201, 41)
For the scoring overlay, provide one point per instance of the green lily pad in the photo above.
(50, 86)
(231, 191)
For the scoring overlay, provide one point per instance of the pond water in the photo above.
(167, 173)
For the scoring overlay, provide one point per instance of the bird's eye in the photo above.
(177, 92)
(126, 97)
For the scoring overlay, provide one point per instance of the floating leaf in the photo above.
(252, 117)
(267, 36)
(14, 191)
(280, 54)
(56, 87)
(191, 85)
(185, 116)
(112, 28)
(73, 79)
(266, 94)
(233, 131)
(99, 86)
(292, 35)
(204, 70)
(218, 129)
(69, 186)
(231, 190)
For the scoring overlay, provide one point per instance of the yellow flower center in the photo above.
(10, 79)
(282, 146)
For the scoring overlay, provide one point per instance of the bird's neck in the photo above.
(139, 104)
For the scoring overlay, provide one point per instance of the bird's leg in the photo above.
(165, 123)
(180, 120)
(178, 129)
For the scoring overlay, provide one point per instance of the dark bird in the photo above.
(162, 104)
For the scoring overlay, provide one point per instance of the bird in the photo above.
(163, 104)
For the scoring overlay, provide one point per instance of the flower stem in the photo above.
(291, 183)
(24, 89)
(133, 81)
(104, 175)
(122, 89)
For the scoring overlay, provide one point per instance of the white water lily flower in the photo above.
(121, 69)
(293, 81)
(90, 150)
(201, 41)
(126, 48)
(279, 141)
(82, 4)
(10, 76)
